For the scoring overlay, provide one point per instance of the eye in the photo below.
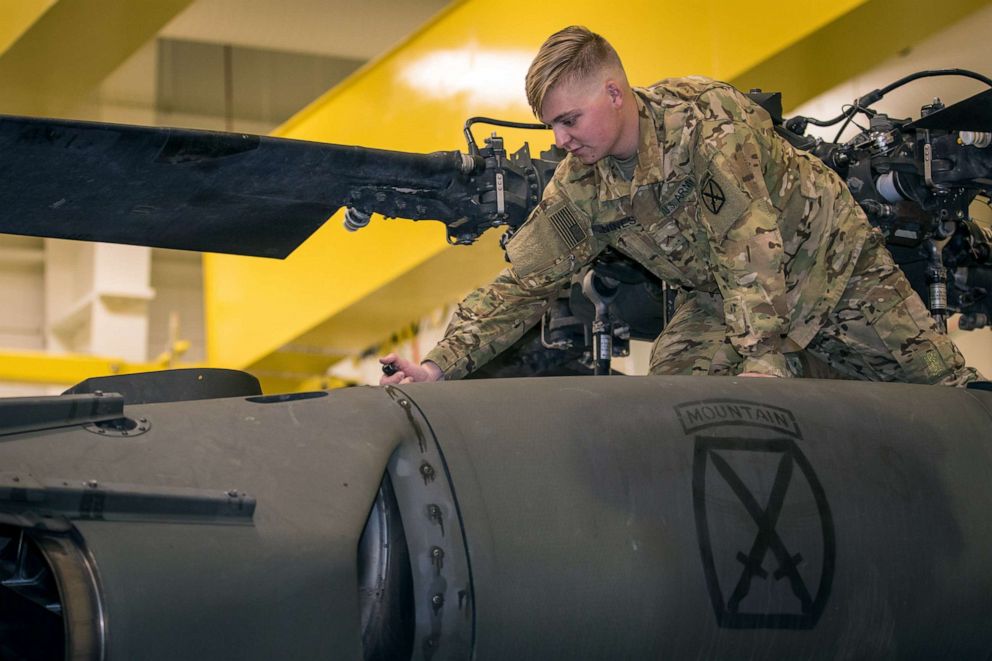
(568, 122)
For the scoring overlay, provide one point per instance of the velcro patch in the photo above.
(606, 228)
(721, 199)
(678, 197)
(712, 195)
(565, 223)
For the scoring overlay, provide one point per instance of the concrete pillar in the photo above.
(96, 299)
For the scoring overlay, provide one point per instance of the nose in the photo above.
(562, 138)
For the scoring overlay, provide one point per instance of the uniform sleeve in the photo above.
(487, 322)
(544, 253)
(742, 227)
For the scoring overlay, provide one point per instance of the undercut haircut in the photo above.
(567, 55)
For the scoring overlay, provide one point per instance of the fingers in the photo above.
(393, 379)
(392, 372)
(397, 370)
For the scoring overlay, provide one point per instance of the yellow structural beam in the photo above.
(53, 53)
(342, 292)
(17, 16)
(857, 40)
(297, 368)
(46, 368)
(272, 383)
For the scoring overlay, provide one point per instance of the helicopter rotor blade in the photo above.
(200, 190)
(971, 114)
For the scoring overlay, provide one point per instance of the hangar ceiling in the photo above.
(341, 293)
(243, 65)
(251, 65)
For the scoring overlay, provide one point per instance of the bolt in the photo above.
(437, 553)
(438, 600)
(92, 484)
(404, 403)
(17, 479)
(233, 493)
(142, 420)
(427, 471)
(98, 393)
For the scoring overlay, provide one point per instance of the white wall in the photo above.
(176, 312)
(21, 292)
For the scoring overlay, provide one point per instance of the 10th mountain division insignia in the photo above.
(765, 532)
(712, 194)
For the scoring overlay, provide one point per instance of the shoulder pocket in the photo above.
(549, 241)
(721, 200)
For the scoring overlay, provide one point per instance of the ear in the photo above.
(615, 93)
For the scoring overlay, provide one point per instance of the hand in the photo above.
(408, 371)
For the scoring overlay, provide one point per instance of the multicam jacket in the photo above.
(718, 202)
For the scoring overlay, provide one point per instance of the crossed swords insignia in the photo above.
(713, 196)
(767, 539)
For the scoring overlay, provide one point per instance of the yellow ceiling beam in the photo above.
(274, 383)
(17, 16)
(283, 372)
(68, 369)
(856, 41)
(348, 291)
(56, 52)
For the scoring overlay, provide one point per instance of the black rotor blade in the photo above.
(185, 189)
(971, 114)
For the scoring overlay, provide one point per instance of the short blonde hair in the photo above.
(568, 54)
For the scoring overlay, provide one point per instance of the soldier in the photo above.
(774, 259)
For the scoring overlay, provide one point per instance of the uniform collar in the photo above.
(611, 185)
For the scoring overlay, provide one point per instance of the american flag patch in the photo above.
(567, 226)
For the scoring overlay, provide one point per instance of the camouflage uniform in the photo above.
(771, 252)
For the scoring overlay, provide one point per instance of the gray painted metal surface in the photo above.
(721, 518)
(280, 586)
(583, 518)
